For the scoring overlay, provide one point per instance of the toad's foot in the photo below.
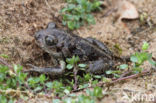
(100, 66)
(49, 70)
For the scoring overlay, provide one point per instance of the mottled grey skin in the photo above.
(61, 45)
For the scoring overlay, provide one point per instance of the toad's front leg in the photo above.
(53, 71)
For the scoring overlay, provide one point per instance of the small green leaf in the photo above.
(145, 46)
(118, 48)
(104, 79)
(87, 77)
(77, 25)
(149, 56)
(77, 59)
(49, 85)
(97, 92)
(72, 95)
(83, 86)
(3, 69)
(3, 99)
(11, 101)
(38, 88)
(63, 10)
(42, 78)
(109, 72)
(4, 56)
(68, 60)
(79, 1)
(15, 68)
(117, 75)
(116, 72)
(68, 100)
(95, 82)
(83, 69)
(67, 17)
(143, 17)
(134, 59)
(64, 22)
(69, 66)
(96, 5)
(71, 25)
(56, 101)
(153, 63)
(71, 6)
(123, 66)
(137, 69)
(82, 65)
(66, 91)
(90, 19)
(97, 76)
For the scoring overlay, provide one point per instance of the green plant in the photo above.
(140, 57)
(137, 60)
(10, 79)
(88, 97)
(16, 77)
(116, 73)
(17, 80)
(78, 12)
(144, 18)
(4, 56)
(73, 62)
(56, 101)
(4, 99)
(58, 87)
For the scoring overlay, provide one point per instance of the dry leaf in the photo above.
(126, 10)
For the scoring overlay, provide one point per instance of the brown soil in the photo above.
(20, 19)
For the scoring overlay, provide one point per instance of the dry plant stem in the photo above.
(154, 58)
(75, 78)
(27, 86)
(125, 74)
(47, 4)
(117, 80)
(131, 76)
(109, 12)
(17, 92)
(5, 63)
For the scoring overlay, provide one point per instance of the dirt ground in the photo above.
(20, 19)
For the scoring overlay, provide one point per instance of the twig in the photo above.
(154, 58)
(5, 63)
(75, 78)
(130, 77)
(47, 4)
(109, 12)
(51, 8)
(17, 92)
(117, 80)
(125, 74)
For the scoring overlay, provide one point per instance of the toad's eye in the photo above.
(50, 40)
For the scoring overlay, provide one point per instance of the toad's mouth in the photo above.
(39, 43)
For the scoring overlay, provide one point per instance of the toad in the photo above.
(61, 45)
